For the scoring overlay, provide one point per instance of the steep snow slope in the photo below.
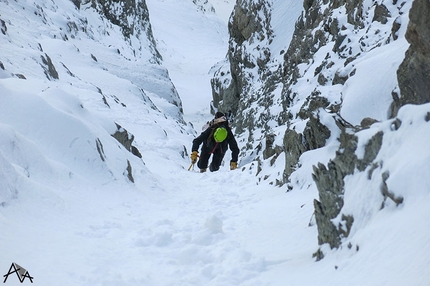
(339, 69)
(75, 71)
(189, 51)
(70, 217)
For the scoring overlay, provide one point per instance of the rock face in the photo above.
(313, 136)
(331, 186)
(318, 28)
(307, 42)
(255, 79)
(126, 139)
(131, 16)
(49, 68)
(310, 80)
(233, 84)
(414, 72)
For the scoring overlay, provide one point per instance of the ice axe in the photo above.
(192, 165)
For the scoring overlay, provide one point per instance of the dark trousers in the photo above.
(205, 155)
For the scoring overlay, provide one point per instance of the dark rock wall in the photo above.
(254, 79)
(248, 56)
(318, 28)
(363, 27)
(132, 16)
(414, 72)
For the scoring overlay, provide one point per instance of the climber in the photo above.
(216, 139)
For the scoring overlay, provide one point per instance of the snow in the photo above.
(70, 216)
(188, 50)
(365, 85)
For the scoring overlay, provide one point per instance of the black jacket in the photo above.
(206, 137)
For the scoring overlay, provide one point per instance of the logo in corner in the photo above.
(21, 272)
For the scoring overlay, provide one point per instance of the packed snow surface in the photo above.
(70, 215)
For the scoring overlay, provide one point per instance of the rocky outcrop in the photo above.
(232, 85)
(310, 80)
(318, 27)
(48, 67)
(413, 78)
(126, 139)
(225, 95)
(247, 83)
(313, 136)
(131, 16)
(330, 184)
(414, 72)
(307, 41)
(253, 79)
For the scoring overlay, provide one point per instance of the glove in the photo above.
(194, 156)
(233, 165)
